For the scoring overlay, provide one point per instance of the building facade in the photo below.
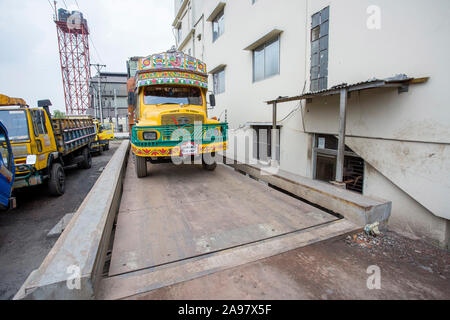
(113, 89)
(396, 139)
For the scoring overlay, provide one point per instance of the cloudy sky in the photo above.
(29, 58)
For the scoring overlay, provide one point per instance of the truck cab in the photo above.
(105, 133)
(40, 153)
(7, 170)
(171, 114)
(31, 133)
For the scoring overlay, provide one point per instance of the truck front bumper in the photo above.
(176, 151)
(206, 138)
(27, 178)
(97, 145)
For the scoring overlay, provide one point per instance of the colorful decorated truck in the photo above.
(171, 114)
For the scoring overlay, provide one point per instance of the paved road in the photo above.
(23, 231)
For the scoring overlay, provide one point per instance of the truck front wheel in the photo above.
(209, 163)
(57, 182)
(141, 166)
(87, 159)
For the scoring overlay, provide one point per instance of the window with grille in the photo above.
(325, 150)
(319, 50)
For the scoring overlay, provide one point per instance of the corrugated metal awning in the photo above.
(399, 81)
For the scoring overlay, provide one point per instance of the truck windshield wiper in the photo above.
(161, 104)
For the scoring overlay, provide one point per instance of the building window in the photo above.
(262, 143)
(266, 60)
(179, 34)
(325, 151)
(218, 25)
(319, 50)
(254, 1)
(219, 81)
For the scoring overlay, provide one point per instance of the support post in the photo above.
(99, 67)
(94, 100)
(100, 99)
(273, 157)
(341, 142)
(116, 114)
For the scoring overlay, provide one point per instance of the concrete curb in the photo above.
(357, 208)
(77, 258)
(60, 226)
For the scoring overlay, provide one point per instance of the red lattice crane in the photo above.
(73, 44)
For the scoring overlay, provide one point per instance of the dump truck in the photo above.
(170, 112)
(105, 133)
(43, 146)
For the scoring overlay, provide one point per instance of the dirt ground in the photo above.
(23, 231)
(336, 269)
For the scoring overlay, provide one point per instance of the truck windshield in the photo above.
(106, 126)
(173, 95)
(15, 122)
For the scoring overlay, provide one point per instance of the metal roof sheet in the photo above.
(392, 82)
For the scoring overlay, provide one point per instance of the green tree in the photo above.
(58, 114)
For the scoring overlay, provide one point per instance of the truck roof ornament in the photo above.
(172, 67)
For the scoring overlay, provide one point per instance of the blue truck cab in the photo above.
(7, 170)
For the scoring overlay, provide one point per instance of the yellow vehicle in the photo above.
(171, 112)
(105, 133)
(43, 146)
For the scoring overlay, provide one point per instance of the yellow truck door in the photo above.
(44, 137)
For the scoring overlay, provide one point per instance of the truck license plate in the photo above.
(189, 149)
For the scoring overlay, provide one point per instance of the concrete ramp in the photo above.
(184, 212)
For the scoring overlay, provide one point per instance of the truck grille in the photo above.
(19, 151)
(180, 119)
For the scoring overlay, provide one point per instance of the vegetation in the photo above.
(58, 114)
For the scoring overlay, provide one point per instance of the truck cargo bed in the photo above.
(73, 133)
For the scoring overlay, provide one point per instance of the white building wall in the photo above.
(411, 40)
(408, 216)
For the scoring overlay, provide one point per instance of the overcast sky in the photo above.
(29, 58)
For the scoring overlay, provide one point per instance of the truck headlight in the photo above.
(150, 135)
(31, 159)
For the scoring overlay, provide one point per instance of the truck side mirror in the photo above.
(131, 98)
(44, 103)
(212, 100)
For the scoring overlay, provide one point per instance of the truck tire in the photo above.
(106, 146)
(209, 167)
(87, 159)
(140, 164)
(57, 181)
